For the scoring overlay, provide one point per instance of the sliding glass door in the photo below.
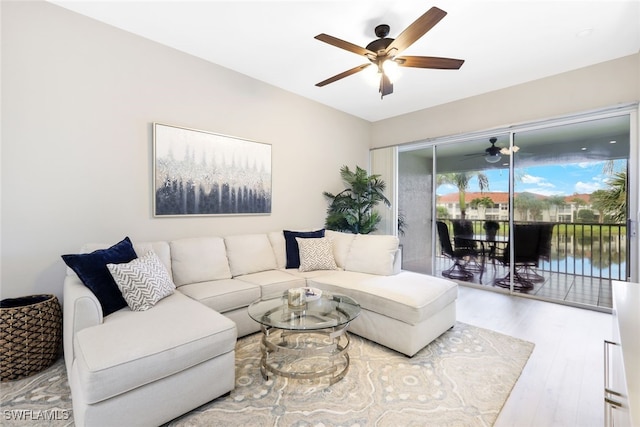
(567, 182)
(574, 178)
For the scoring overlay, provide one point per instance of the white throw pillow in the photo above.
(249, 253)
(372, 254)
(143, 281)
(316, 254)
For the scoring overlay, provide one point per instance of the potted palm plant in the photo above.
(352, 209)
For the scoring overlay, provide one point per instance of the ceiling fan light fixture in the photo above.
(372, 76)
(493, 158)
(391, 69)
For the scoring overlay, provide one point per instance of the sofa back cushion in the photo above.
(279, 248)
(374, 254)
(341, 245)
(199, 259)
(249, 253)
(160, 248)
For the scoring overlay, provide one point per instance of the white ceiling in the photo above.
(503, 43)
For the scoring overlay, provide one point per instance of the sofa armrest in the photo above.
(81, 310)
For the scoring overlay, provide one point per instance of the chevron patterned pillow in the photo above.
(143, 281)
(316, 254)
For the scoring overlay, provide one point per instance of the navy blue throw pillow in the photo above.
(291, 245)
(92, 270)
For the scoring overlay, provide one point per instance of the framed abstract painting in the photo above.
(197, 173)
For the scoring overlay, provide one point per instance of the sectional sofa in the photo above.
(150, 364)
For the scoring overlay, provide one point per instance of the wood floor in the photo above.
(562, 384)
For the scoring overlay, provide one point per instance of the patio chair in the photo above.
(491, 230)
(457, 270)
(544, 252)
(462, 230)
(526, 247)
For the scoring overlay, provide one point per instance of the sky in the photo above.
(547, 180)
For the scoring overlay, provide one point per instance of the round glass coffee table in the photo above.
(305, 339)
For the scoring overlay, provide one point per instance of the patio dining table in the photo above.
(488, 245)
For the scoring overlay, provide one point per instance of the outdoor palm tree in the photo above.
(613, 201)
(352, 208)
(598, 202)
(461, 181)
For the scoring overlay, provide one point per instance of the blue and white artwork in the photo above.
(203, 173)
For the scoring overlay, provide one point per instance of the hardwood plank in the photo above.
(562, 384)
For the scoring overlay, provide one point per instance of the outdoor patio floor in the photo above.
(583, 291)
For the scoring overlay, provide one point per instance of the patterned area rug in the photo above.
(463, 378)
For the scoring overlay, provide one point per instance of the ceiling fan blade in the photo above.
(386, 87)
(416, 30)
(342, 75)
(430, 62)
(334, 41)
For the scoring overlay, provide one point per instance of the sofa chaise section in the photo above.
(404, 311)
(127, 365)
(401, 310)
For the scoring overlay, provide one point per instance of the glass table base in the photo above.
(305, 354)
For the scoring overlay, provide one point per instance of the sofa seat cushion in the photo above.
(223, 295)
(309, 274)
(273, 282)
(407, 296)
(134, 348)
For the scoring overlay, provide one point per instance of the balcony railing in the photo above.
(585, 249)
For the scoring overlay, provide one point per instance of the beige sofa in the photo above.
(148, 367)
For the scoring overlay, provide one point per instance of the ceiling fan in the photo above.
(383, 52)
(494, 154)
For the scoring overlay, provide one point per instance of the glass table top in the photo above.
(327, 311)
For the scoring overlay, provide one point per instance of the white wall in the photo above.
(602, 85)
(78, 100)
(79, 97)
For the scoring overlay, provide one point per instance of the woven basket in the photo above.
(30, 335)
